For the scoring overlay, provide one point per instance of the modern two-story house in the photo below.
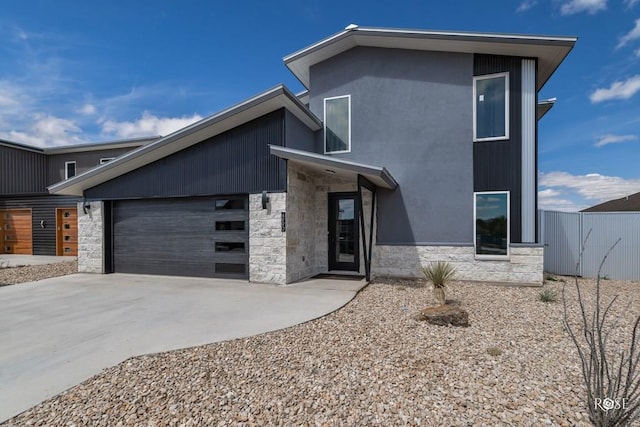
(408, 146)
(33, 222)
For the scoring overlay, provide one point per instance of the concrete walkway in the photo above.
(22, 260)
(59, 332)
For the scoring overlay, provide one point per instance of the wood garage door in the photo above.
(16, 231)
(202, 237)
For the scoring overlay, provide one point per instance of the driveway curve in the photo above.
(61, 331)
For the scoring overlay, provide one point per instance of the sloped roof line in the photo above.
(229, 118)
(550, 50)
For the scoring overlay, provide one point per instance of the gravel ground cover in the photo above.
(369, 363)
(31, 273)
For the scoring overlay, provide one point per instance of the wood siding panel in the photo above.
(497, 165)
(235, 162)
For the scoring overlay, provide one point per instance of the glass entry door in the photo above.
(344, 251)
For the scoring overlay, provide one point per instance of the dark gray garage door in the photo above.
(203, 237)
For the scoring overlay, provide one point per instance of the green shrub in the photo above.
(439, 273)
(548, 295)
(494, 351)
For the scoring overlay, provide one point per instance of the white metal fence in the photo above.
(563, 234)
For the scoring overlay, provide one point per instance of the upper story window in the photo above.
(491, 107)
(491, 228)
(337, 124)
(69, 170)
(106, 160)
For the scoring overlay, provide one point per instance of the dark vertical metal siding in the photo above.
(237, 161)
(85, 160)
(21, 171)
(497, 165)
(43, 208)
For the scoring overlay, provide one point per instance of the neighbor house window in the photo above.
(337, 124)
(106, 160)
(69, 170)
(491, 107)
(491, 215)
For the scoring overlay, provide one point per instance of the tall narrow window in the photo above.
(491, 107)
(69, 170)
(337, 124)
(491, 214)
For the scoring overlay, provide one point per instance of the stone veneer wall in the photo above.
(307, 220)
(267, 241)
(525, 265)
(90, 239)
(301, 216)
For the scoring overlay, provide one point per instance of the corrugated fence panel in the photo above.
(562, 239)
(624, 261)
(564, 234)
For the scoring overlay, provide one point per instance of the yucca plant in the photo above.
(439, 273)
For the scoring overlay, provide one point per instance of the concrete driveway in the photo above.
(58, 332)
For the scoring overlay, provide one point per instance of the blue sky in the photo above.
(75, 71)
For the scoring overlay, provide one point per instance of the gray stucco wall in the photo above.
(411, 112)
(297, 135)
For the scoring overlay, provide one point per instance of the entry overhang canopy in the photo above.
(331, 166)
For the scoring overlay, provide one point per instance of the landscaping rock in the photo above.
(444, 315)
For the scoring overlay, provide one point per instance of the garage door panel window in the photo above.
(230, 225)
(238, 247)
(229, 268)
(231, 204)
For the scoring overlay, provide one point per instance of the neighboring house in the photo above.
(408, 146)
(629, 203)
(31, 220)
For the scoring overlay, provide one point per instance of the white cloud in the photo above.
(555, 200)
(634, 34)
(47, 131)
(526, 5)
(147, 125)
(592, 187)
(630, 3)
(87, 109)
(576, 6)
(618, 90)
(637, 52)
(614, 139)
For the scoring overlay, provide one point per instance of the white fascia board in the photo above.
(228, 119)
(78, 148)
(550, 50)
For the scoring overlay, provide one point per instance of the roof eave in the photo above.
(375, 172)
(300, 62)
(257, 106)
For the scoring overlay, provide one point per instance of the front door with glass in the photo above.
(343, 232)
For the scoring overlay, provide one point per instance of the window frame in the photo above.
(324, 123)
(506, 107)
(66, 169)
(475, 206)
(105, 160)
